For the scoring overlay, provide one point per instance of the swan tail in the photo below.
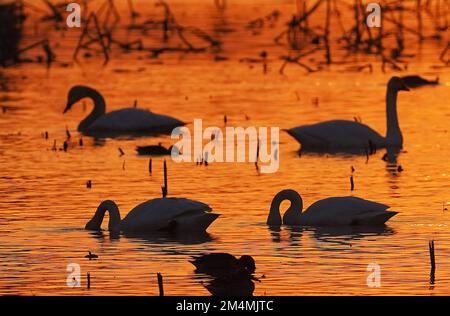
(297, 136)
(195, 222)
(307, 140)
(376, 219)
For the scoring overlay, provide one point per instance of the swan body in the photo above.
(177, 214)
(334, 211)
(342, 135)
(217, 264)
(120, 122)
(337, 134)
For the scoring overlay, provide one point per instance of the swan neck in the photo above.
(98, 111)
(293, 212)
(114, 217)
(393, 134)
(274, 218)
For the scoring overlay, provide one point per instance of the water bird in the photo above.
(344, 135)
(415, 81)
(216, 264)
(333, 211)
(120, 122)
(154, 150)
(160, 214)
(91, 256)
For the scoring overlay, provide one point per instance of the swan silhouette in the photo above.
(121, 122)
(342, 135)
(334, 211)
(161, 214)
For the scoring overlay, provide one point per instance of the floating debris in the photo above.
(88, 280)
(432, 261)
(155, 150)
(160, 284)
(164, 189)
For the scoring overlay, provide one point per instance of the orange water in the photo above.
(44, 203)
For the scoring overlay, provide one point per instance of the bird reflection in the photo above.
(236, 284)
(230, 276)
(275, 232)
(342, 235)
(390, 157)
(158, 237)
(350, 233)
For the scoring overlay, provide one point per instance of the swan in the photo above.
(177, 214)
(342, 135)
(217, 264)
(334, 211)
(125, 121)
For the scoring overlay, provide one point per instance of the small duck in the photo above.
(221, 264)
(91, 256)
(155, 150)
(415, 81)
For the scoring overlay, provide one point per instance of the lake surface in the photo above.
(44, 201)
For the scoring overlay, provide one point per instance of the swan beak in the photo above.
(68, 106)
(404, 87)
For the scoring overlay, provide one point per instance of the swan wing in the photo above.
(336, 134)
(132, 119)
(347, 210)
(161, 213)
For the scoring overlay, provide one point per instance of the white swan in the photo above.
(177, 214)
(334, 211)
(124, 121)
(341, 135)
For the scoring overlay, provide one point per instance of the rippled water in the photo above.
(44, 202)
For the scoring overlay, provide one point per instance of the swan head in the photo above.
(248, 263)
(397, 84)
(76, 93)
